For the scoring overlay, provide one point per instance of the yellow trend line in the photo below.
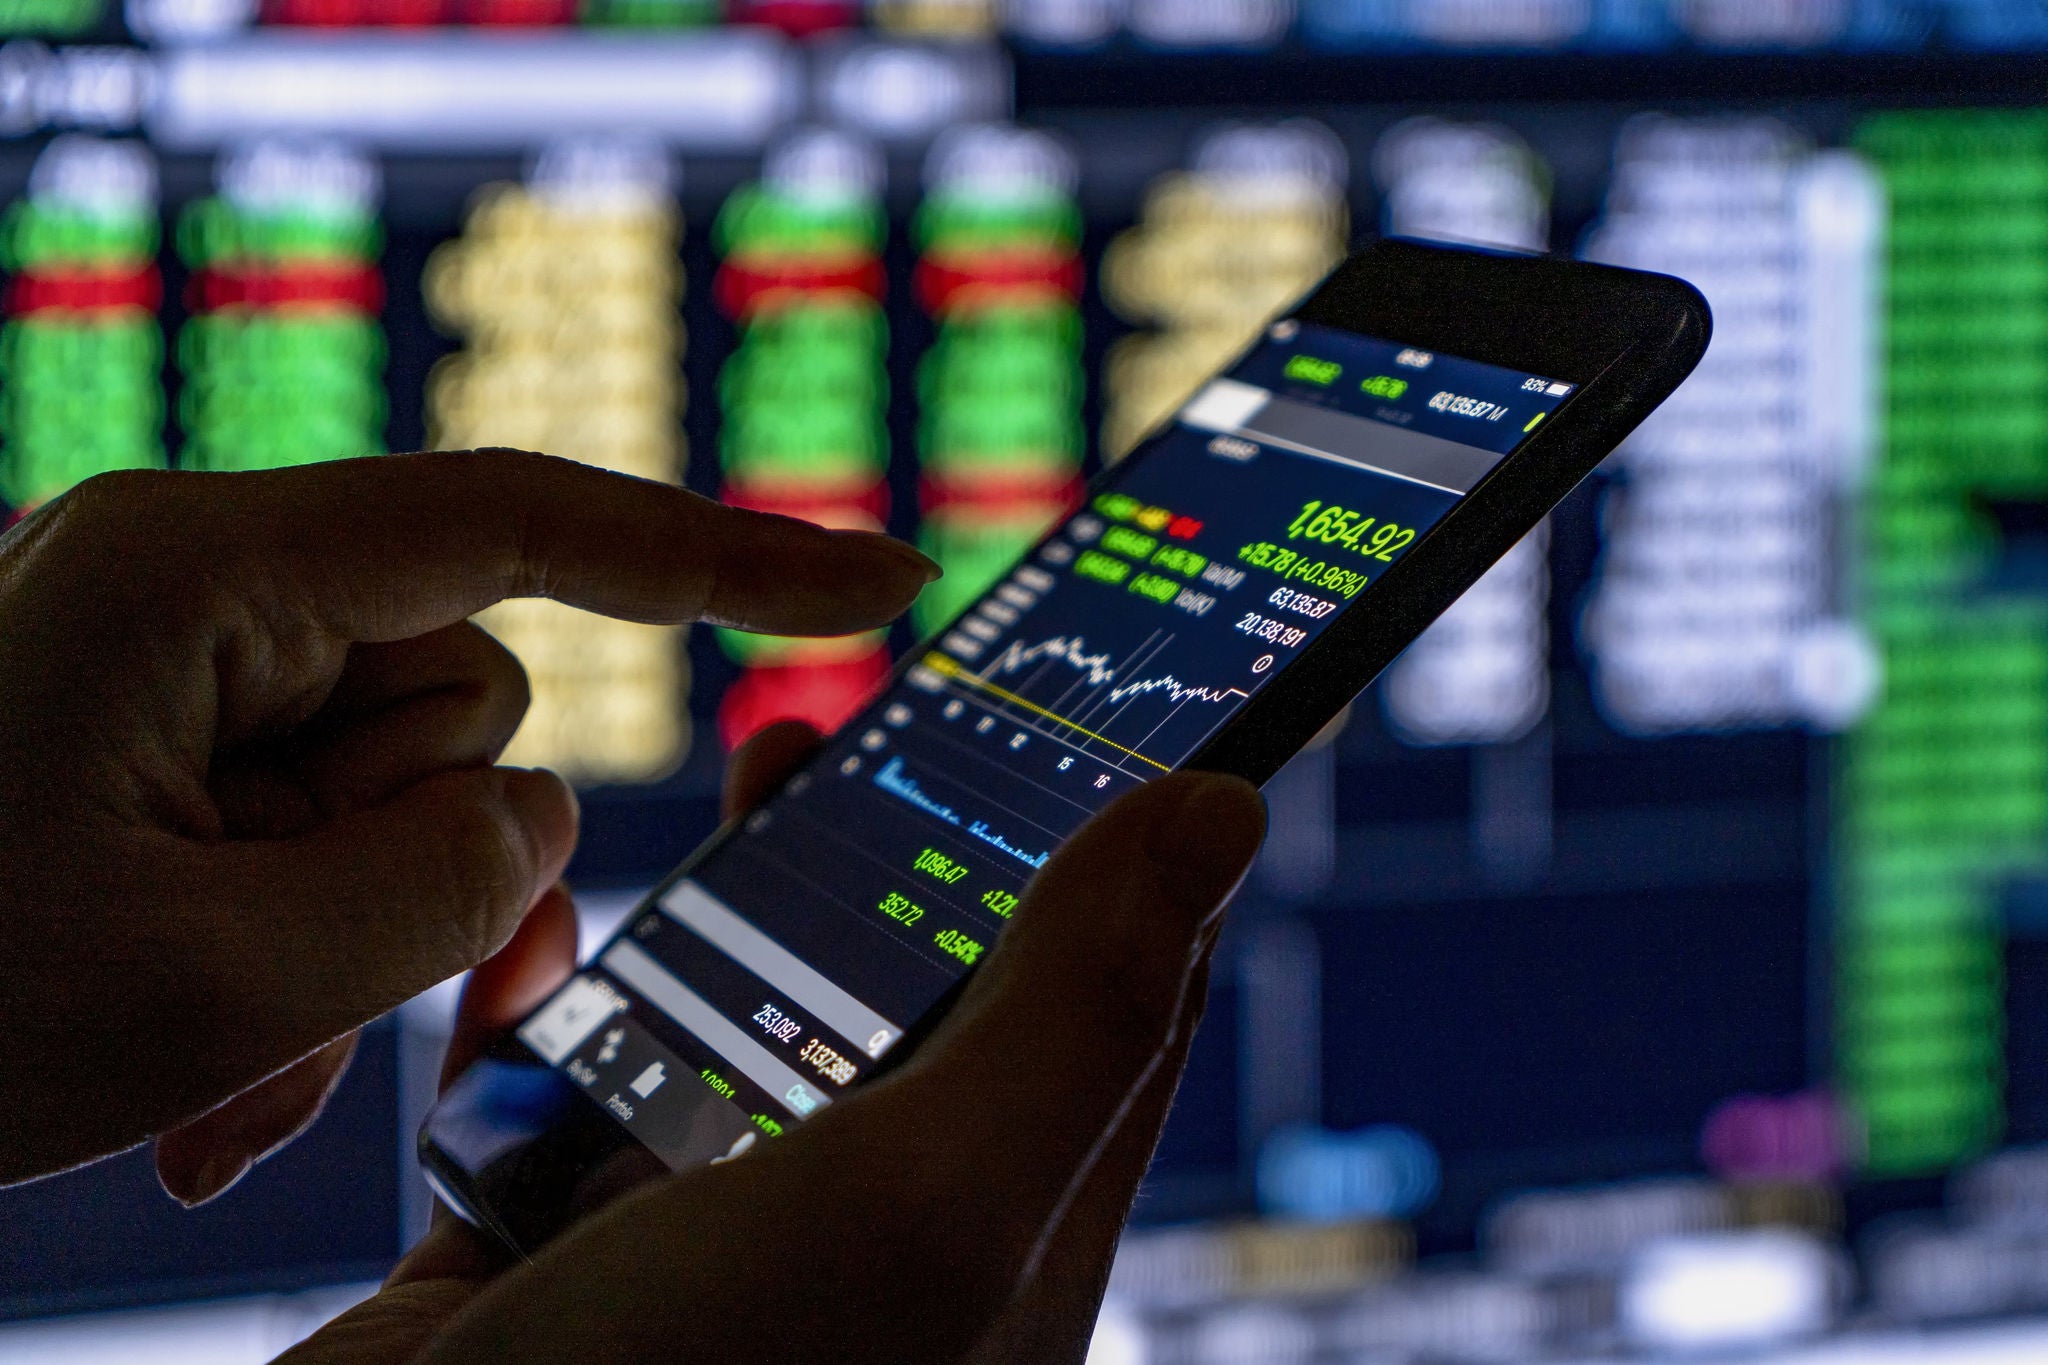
(950, 667)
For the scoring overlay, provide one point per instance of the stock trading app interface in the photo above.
(785, 965)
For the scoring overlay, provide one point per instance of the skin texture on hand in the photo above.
(247, 800)
(963, 1209)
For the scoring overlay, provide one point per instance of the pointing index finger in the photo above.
(397, 545)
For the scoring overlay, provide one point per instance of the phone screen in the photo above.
(783, 966)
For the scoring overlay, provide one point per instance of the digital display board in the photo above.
(1672, 909)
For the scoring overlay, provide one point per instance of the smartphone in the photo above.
(1216, 598)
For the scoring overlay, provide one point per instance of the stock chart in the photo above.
(1104, 657)
(1669, 918)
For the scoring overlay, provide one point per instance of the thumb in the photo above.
(1085, 1006)
(381, 903)
(953, 1171)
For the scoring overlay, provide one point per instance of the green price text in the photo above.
(956, 944)
(1330, 524)
(901, 908)
(937, 865)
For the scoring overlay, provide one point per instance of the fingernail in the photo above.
(1205, 844)
(217, 1175)
(917, 559)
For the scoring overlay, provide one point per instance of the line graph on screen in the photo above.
(1065, 689)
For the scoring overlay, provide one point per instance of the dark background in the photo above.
(1570, 1019)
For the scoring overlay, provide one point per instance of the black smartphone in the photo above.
(1214, 601)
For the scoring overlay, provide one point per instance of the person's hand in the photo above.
(246, 736)
(963, 1208)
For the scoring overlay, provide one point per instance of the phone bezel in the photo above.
(1625, 338)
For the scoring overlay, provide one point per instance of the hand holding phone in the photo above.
(880, 1238)
(1215, 600)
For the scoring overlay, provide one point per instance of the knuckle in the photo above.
(110, 508)
(91, 531)
(117, 494)
(505, 486)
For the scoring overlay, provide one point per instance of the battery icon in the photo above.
(1558, 390)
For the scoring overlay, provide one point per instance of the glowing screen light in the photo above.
(1787, 1138)
(937, 18)
(566, 289)
(283, 359)
(805, 397)
(1482, 672)
(1385, 1171)
(1210, 23)
(1729, 1290)
(1217, 251)
(80, 350)
(1518, 24)
(1784, 24)
(796, 17)
(1000, 389)
(51, 18)
(1943, 789)
(1719, 603)
(647, 14)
